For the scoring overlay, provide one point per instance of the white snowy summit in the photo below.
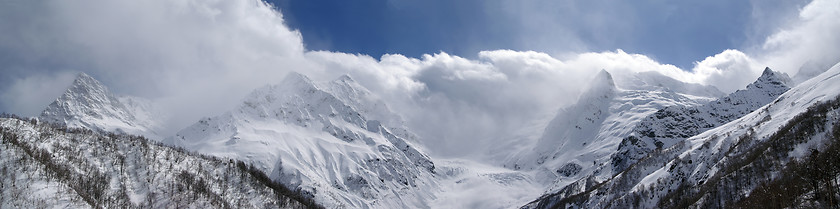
(89, 104)
(324, 138)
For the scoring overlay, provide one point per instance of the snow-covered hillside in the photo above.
(581, 138)
(332, 139)
(50, 166)
(676, 123)
(89, 104)
(734, 164)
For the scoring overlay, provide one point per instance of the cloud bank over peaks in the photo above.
(197, 56)
(457, 103)
(201, 57)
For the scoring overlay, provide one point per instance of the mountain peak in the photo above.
(84, 92)
(770, 78)
(87, 86)
(341, 95)
(84, 76)
(603, 82)
(605, 76)
(600, 88)
(767, 71)
(297, 81)
(87, 103)
(296, 77)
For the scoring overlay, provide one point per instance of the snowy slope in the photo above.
(49, 166)
(721, 166)
(581, 138)
(325, 138)
(676, 123)
(89, 104)
(471, 184)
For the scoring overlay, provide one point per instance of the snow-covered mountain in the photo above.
(787, 146)
(89, 104)
(676, 123)
(630, 140)
(50, 166)
(581, 138)
(335, 140)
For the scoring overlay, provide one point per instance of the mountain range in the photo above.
(631, 140)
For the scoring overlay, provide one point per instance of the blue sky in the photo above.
(673, 32)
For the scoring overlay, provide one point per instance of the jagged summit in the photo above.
(771, 79)
(297, 95)
(87, 85)
(297, 82)
(295, 77)
(603, 78)
(88, 92)
(600, 89)
(764, 90)
(767, 71)
(87, 103)
(86, 97)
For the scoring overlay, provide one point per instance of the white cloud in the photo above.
(33, 93)
(804, 44)
(729, 71)
(811, 39)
